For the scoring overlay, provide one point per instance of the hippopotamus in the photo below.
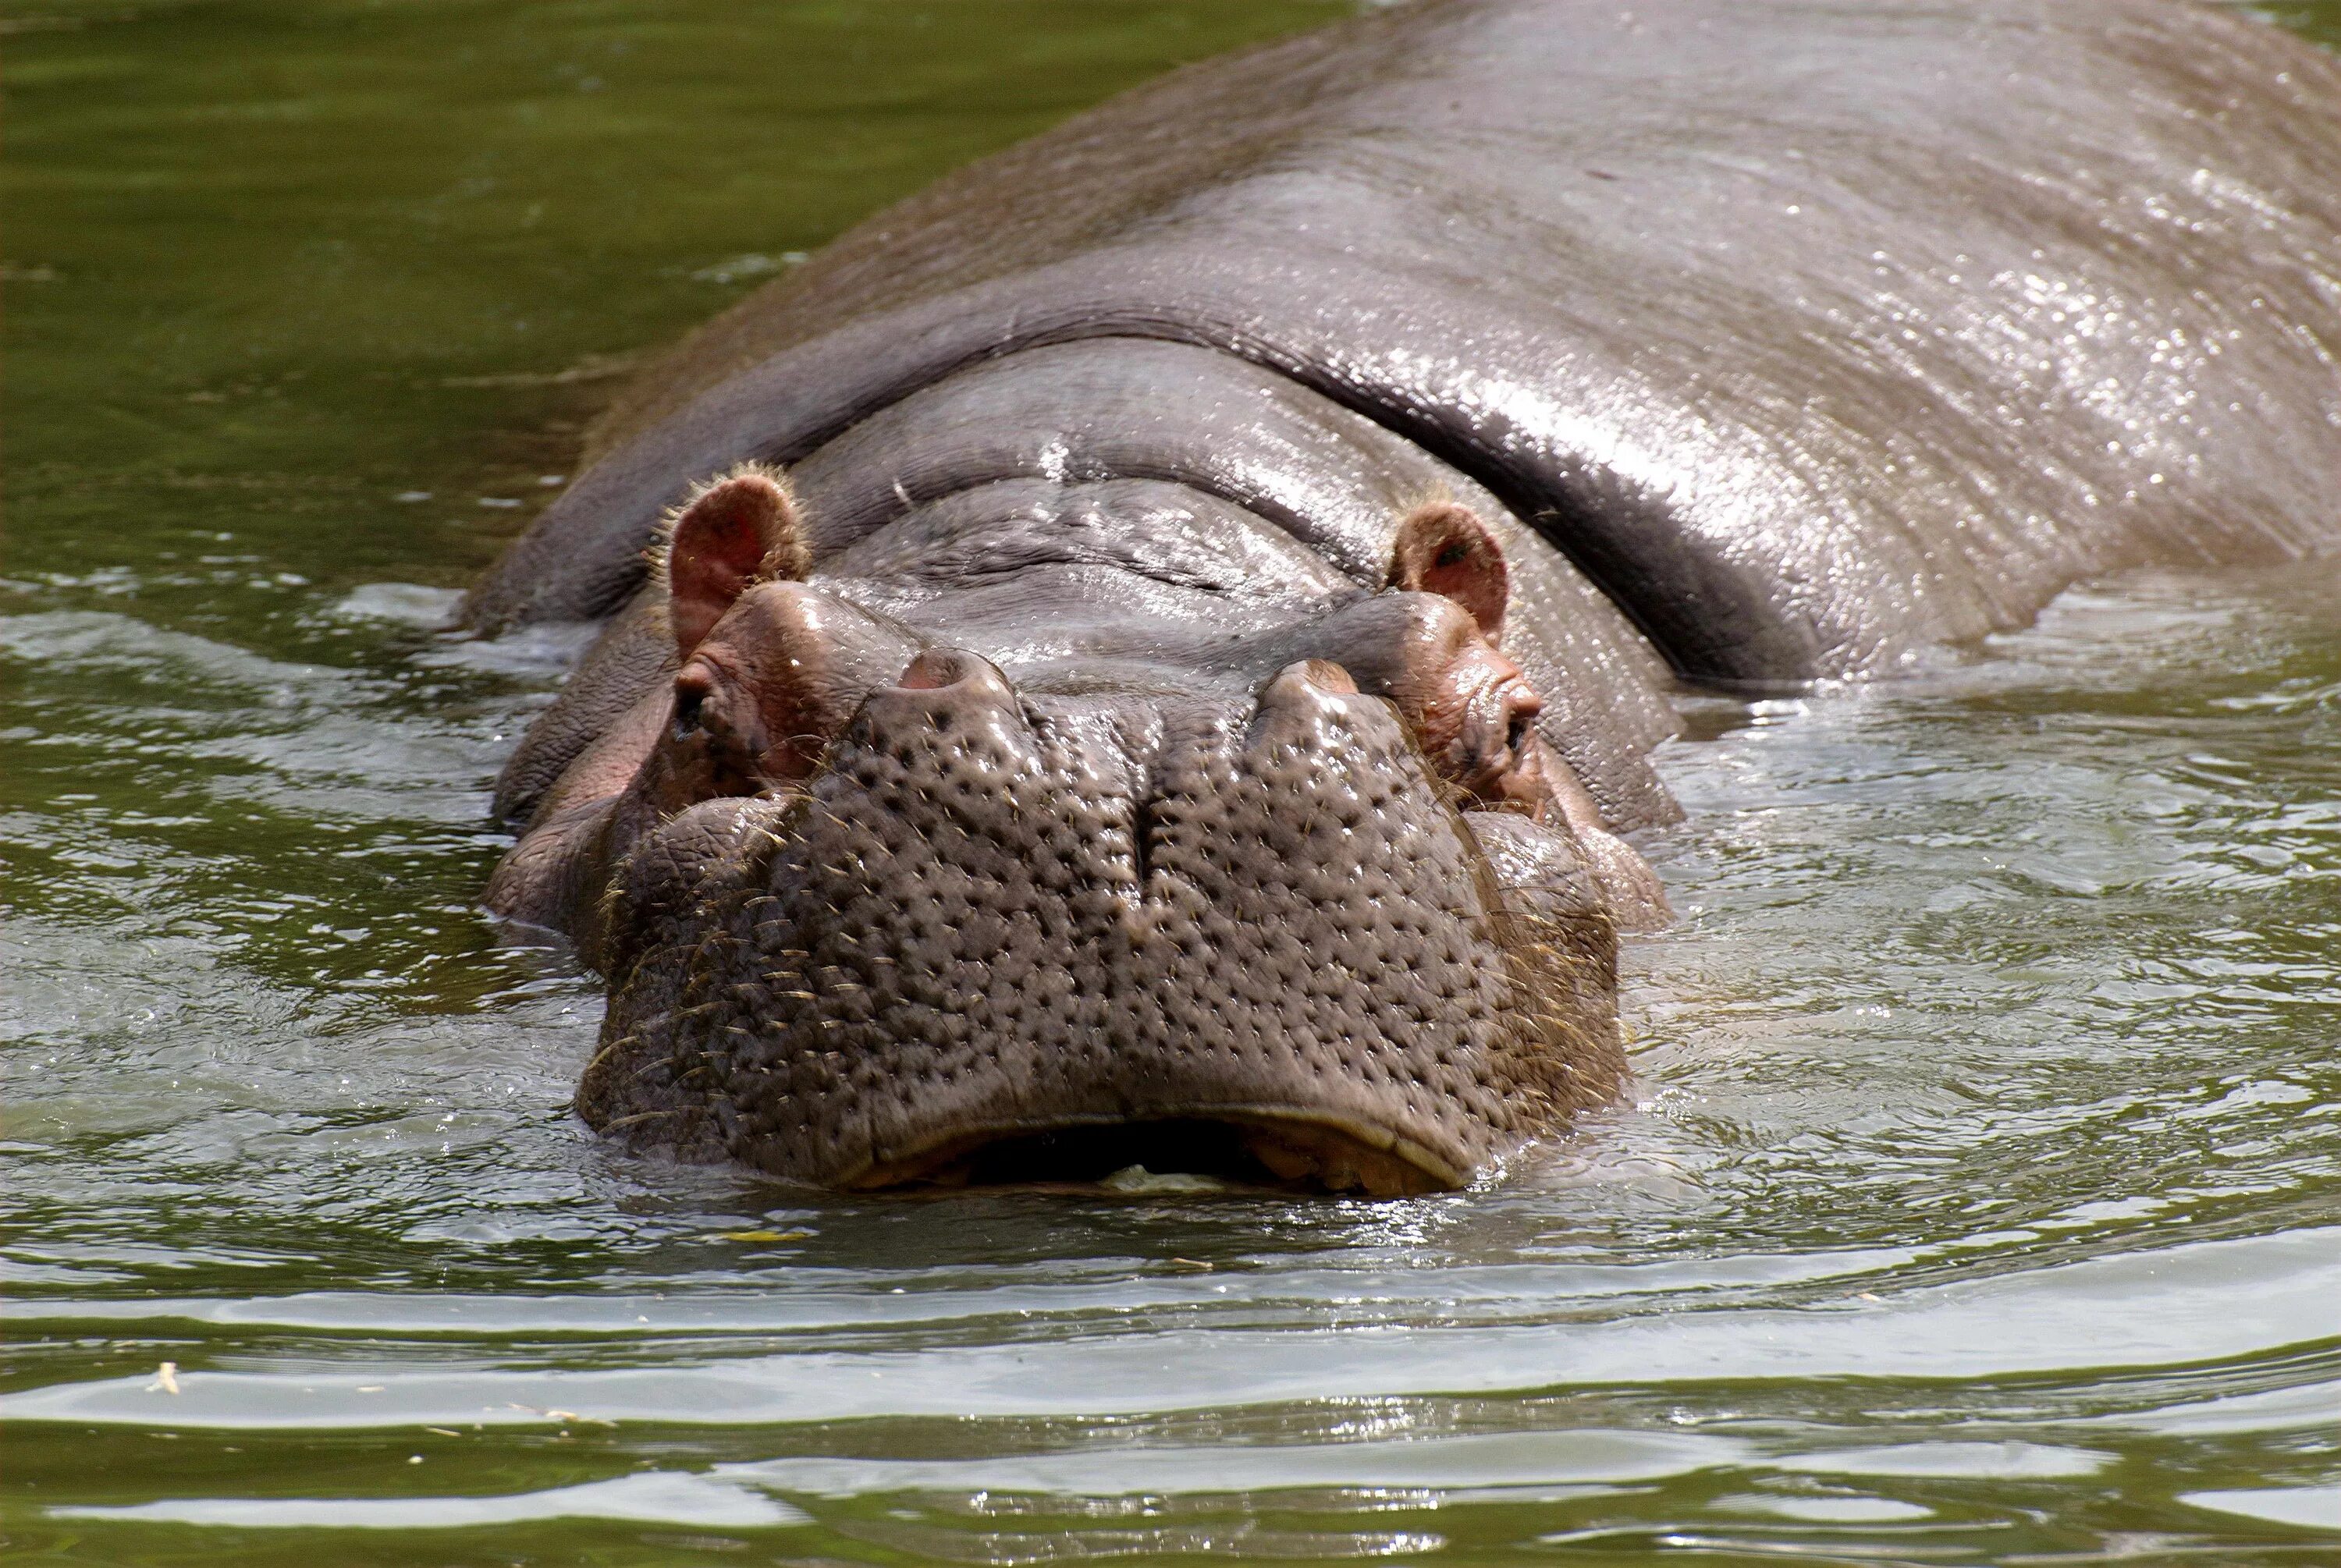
(1150, 651)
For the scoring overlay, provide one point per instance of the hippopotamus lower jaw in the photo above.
(1008, 937)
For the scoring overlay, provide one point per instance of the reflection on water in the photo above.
(1977, 1203)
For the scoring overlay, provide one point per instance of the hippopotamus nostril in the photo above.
(1307, 685)
(1328, 676)
(1312, 709)
(942, 669)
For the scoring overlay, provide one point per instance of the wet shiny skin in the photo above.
(1199, 370)
(2002, 999)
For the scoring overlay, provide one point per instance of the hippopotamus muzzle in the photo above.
(995, 923)
(1221, 908)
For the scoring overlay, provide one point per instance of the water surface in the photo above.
(1976, 1202)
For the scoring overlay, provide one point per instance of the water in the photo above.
(1978, 1199)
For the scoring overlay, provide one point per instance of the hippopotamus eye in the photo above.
(1516, 734)
(688, 701)
(692, 685)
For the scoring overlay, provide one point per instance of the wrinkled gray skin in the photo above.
(1768, 343)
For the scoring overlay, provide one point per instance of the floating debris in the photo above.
(764, 1235)
(1139, 1179)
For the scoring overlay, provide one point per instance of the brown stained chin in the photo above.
(1258, 1150)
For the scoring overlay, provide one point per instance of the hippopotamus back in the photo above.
(1813, 332)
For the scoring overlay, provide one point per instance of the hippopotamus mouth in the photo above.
(1226, 913)
(1256, 1147)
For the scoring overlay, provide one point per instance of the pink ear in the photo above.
(1443, 548)
(738, 531)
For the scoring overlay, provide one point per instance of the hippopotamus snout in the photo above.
(1258, 926)
(1309, 901)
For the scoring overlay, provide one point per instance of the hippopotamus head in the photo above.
(1301, 901)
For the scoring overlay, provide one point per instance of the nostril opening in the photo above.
(973, 682)
(933, 671)
(928, 672)
(1328, 676)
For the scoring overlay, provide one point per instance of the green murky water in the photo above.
(1981, 1201)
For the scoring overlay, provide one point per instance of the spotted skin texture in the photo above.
(991, 915)
(1201, 589)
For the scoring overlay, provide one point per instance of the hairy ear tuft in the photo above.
(735, 531)
(1443, 548)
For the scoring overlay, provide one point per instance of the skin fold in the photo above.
(1151, 643)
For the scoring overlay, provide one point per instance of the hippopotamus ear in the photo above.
(1443, 548)
(740, 530)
